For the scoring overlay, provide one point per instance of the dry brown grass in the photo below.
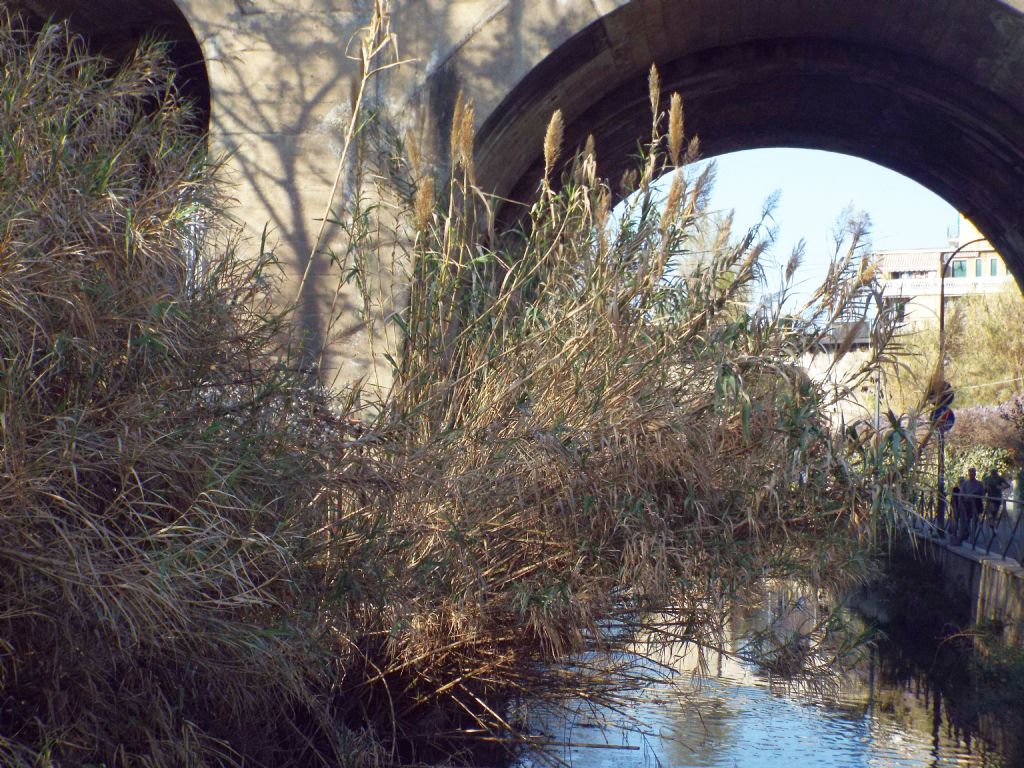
(203, 561)
(154, 607)
(589, 425)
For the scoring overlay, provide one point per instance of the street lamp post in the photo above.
(944, 262)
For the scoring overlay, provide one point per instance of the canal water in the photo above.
(880, 710)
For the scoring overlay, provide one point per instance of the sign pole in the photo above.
(940, 507)
(944, 262)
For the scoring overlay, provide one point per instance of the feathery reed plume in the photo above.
(412, 151)
(627, 184)
(654, 95)
(675, 128)
(466, 139)
(673, 201)
(587, 162)
(868, 272)
(553, 142)
(796, 257)
(423, 204)
(852, 333)
(604, 207)
(589, 149)
(701, 189)
(723, 232)
(693, 150)
(455, 141)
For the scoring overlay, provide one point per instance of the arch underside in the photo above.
(954, 123)
(933, 89)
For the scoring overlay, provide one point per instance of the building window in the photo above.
(898, 309)
(977, 267)
(958, 268)
(901, 310)
(993, 267)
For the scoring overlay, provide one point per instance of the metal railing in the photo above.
(980, 521)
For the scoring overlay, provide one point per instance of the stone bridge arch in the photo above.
(933, 89)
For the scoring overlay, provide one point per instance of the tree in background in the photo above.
(985, 365)
(984, 354)
(986, 347)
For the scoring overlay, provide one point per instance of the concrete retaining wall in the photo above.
(994, 585)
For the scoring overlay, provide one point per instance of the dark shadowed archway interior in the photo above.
(930, 90)
(115, 27)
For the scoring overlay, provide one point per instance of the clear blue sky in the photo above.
(815, 188)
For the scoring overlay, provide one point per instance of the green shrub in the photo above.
(982, 457)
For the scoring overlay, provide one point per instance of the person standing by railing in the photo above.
(971, 492)
(994, 484)
(957, 504)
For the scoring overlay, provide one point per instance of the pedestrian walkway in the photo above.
(997, 530)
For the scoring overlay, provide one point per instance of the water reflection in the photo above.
(881, 711)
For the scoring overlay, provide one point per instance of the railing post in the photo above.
(1013, 534)
(995, 526)
(976, 518)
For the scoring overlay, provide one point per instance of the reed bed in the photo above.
(207, 560)
(155, 607)
(591, 425)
